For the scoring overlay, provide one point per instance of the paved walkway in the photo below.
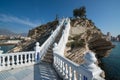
(42, 71)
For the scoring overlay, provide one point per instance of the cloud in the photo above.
(13, 19)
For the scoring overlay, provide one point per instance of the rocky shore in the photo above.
(83, 31)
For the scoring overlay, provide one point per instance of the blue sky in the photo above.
(21, 15)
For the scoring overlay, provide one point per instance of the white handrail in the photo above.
(70, 70)
(15, 60)
(51, 39)
(21, 59)
(64, 38)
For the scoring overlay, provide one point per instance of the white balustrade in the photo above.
(64, 38)
(51, 39)
(21, 59)
(73, 71)
(69, 70)
(14, 60)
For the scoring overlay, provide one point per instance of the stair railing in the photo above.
(50, 40)
(69, 70)
(22, 59)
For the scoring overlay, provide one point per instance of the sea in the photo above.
(111, 64)
(6, 48)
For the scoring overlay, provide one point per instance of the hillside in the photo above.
(84, 34)
(38, 34)
(10, 33)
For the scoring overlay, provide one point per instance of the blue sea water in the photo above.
(6, 48)
(111, 64)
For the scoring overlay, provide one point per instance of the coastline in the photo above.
(6, 48)
(5, 44)
(111, 63)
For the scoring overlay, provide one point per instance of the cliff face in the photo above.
(83, 31)
(38, 34)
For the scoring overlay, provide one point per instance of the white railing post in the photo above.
(63, 68)
(29, 58)
(33, 58)
(17, 56)
(37, 52)
(66, 71)
(21, 59)
(25, 58)
(91, 67)
(8, 60)
(70, 73)
(74, 75)
(3, 62)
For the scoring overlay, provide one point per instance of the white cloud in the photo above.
(13, 19)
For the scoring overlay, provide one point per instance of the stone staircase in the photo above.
(49, 55)
(77, 57)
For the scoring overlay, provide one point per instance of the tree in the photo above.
(75, 12)
(81, 12)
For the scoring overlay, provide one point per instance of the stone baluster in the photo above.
(33, 58)
(3, 62)
(8, 60)
(13, 61)
(56, 61)
(21, 58)
(63, 68)
(58, 64)
(80, 77)
(66, 71)
(17, 56)
(70, 73)
(74, 75)
(25, 58)
(29, 59)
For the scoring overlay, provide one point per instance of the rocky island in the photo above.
(83, 33)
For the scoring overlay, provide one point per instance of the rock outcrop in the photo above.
(83, 31)
(38, 34)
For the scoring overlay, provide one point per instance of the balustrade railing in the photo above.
(72, 71)
(64, 38)
(69, 70)
(51, 39)
(15, 60)
(21, 59)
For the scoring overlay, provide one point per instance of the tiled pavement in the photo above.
(42, 71)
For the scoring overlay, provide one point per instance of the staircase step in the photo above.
(49, 61)
(49, 51)
(48, 56)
